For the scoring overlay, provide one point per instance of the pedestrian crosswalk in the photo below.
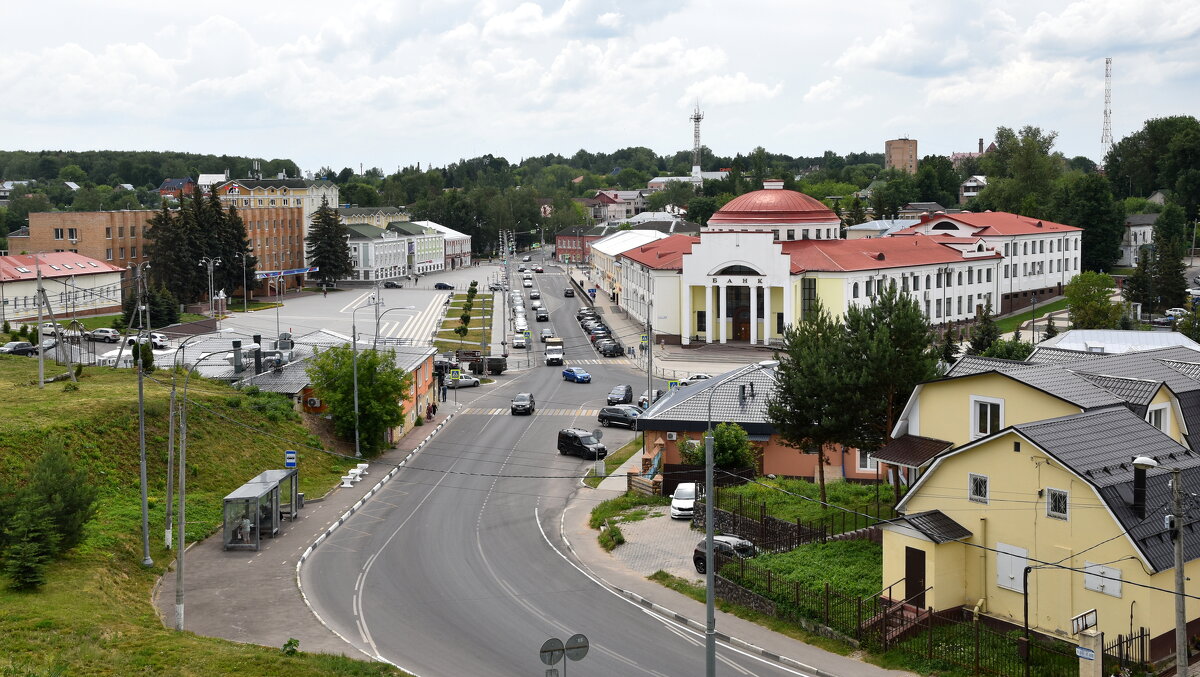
(607, 360)
(485, 411)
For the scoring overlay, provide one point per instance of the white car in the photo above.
(519, 341)
(157, 341)
(1175, 312)
(528, 284)
(462, 382)
(694, 378)
(683, 501)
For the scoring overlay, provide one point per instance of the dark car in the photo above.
(392, 284)
(443, 285)
(622, 414)
(541, 315)
(589, 325)
(622, 394)
(727, 546)
(18, 348)
(539, 269)
(569, 293)
(523, 404)
(609, 348)
(580, 443)
(598, 333)
(585, 313)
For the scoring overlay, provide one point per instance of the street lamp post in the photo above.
(1033, 327)
(210, 262)
(354, 366)
(375, 340)
(710, 629)
(139, 347)
(245, 290)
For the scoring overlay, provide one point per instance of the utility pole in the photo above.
(649, 354)
(170, 466)
(41, 298)
(140, 350)
(1181, 650)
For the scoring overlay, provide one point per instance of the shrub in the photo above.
(420, 421)
(69, 387)
(611, 537)
(32, 542)
(7, 328)
(233, 402)
(291, 647)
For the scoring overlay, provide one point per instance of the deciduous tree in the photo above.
(1089, 298)
(381, 389)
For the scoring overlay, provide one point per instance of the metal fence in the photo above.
(752, 519)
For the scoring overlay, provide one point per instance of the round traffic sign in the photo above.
(577, 647)
(552, 651)
(598, 433)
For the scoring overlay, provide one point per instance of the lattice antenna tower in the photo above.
(1106, 135)
(697, 116)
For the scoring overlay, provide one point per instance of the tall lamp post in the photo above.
(1033, 327)
(710, 630)
(375, 340)
(245, 289)
(210, 262)
(354, 365)
(139, 347)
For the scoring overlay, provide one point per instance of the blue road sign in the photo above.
(289, 458)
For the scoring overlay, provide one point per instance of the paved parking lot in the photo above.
(659, 542)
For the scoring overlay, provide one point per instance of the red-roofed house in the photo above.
(73, 283)
(1041, 257)
(652, 271)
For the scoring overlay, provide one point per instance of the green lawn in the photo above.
(796, 499)
(98, 321)
(614, 460)
(94, 614)
(1009, 324)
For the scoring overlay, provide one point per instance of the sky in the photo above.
(395, 83)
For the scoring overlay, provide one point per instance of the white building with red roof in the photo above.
(74, 284)
(1041, 256)
(765, 259)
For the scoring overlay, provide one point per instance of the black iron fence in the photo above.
(733, 514)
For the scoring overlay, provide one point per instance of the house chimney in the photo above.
(981, 146)
(238, 367)
(258, 354)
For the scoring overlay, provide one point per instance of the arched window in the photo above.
(738, 270)
(855, 292)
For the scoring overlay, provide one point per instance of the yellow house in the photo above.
(1030, 466)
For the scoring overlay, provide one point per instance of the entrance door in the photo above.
(741, 324)
(914, 576)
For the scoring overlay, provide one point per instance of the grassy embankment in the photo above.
(480, 328)
(94, 615)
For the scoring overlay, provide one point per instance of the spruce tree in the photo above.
(1051, 329)
(984, 333)
(949, 347)
(327, 247)
(32, 542)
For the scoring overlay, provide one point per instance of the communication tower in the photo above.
(1106, 135)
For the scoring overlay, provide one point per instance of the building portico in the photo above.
(736, 287)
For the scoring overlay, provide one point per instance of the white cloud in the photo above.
(1109, 26)
(825, 90)
(610, 20)
(726, 89)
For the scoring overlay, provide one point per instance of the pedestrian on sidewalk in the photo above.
(443, 392)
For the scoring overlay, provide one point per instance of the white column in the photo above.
(685, 318)
(789, 310)
(710, 321)
(768, 319)
(723, 312)
(753, 314)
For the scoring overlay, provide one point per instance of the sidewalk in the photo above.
(660, 543)
(251, 597)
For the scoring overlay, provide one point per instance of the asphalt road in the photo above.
(457, 567)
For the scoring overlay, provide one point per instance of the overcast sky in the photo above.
(392, 83)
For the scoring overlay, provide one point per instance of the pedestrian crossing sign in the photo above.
(671, 385)
(455, 374)
(645, 339)
(526, 333)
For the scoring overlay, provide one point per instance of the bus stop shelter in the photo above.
(254, 510)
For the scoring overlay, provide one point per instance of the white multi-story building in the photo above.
(1040, 257)
(426, 247)
(457, 245)
(1139, 232)
(378, 253)
(606, 272)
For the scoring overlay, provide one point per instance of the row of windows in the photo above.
(1039, 267)
(985, 300)
(936, 280)
(1038, 247)
(978, 491)
(108, 253)
(71, 233)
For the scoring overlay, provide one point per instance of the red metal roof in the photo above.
(53, 264)
(873, 253)
(770, 207)
(664, 254)
(993, 223)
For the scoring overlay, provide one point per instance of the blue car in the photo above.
(577, 375)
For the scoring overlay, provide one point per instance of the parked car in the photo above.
(103, 334)
(645, 401)
(622, 394)
(1175, 312)
(728, 545)
(621, 414)
(462, 382)
(585, 312)
(609, 348)
(392, 284)
(495, 286)
(443, 285)
(547, 333)
(519, 341)
(576, 374)
(534, 294)
(569, 293)
(18, 348)
(598, 333)
(157, 341)
(694, 378)
(523, 404)
(580, 443)
(683, 501)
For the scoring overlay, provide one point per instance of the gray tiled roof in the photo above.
(289, 379)
(686, 408)
(1132, 390)
(1147, 364)
(1188, 369)
(1043, 355)
(1051, 378)
(1099, 445)
(1141, 219)
(976, 364)
(911, 451)
(937, 526)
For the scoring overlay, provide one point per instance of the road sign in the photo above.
(645, 339)
(1085, 653)
(526, 333)
(455, 374)
(592, 292)
(577, 647)
(552, 651)
(597, 433)
(671, 385)
(289, 458)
